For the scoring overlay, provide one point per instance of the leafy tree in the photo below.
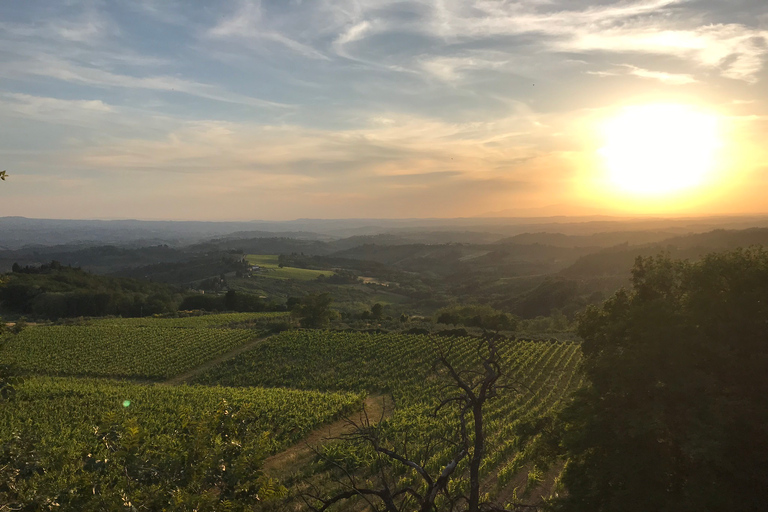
(377, 311)
(484, 317)
(674, 416)
(314, 311)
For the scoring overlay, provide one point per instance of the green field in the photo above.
(198, 321)
(117, 350)
(270, 268)
(286, 384)
(72, 406)
(402, 365)
(62, 417)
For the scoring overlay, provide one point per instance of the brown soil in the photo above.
(283, 464)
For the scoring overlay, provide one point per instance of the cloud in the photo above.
(247, 25)
(54, 110)
(737, 52)
(75, 73)
(401, 150)
(667, 78)
(659, 27)
(661, 76)
(354, 32)
(451, 69)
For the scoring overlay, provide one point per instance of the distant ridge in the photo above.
(19, 232)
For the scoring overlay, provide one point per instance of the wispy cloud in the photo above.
(247, 25)
(661, 76)
(54, 110)
(650, 27)
(75, 73)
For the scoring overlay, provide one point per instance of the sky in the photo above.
(163, 109)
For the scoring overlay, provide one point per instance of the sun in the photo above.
(656, 150)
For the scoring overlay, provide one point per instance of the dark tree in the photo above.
(314, 311)
(377, 311)
(674, 416)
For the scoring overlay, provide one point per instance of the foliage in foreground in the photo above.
(209, 463)
(675, 415)
(82, 444)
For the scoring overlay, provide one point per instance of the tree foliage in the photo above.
(314, 311)
(674, 416)
(208, 464)
(56, 291)
(484, 317)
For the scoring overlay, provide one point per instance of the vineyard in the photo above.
(193, 322)
(116, 349)
(328, 373)
(59, 417)
(543, 373)
(69, 407)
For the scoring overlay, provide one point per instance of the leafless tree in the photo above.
(467, 390)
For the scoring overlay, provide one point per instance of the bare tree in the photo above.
(467, 390)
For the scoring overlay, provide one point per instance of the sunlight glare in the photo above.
(659, 149)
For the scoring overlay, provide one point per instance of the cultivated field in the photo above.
(541, 373)
(287, 385)
(270, 268)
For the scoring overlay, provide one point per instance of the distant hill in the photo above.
(597, 240)
(619, 260)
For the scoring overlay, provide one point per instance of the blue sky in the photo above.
(333, 109)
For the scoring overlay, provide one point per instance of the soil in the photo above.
(194, 372)
(283, 464)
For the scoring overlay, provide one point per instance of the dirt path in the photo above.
(184, 377)
(288, 461)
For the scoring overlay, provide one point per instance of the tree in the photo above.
(674, 416)
(314, 311)
(484, 317)
(377, 311)
(456, 485)
(3, 175)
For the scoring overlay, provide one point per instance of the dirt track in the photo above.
(286, 462)
(186, 376)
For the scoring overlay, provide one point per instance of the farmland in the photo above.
(72, 405)
(190, 322)
(270, 268)
(115, 349)
(285, 384)
(402, 365)
(65, 421)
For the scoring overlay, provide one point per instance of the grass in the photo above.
(271, 269)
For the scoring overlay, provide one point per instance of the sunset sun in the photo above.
(653, 150)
